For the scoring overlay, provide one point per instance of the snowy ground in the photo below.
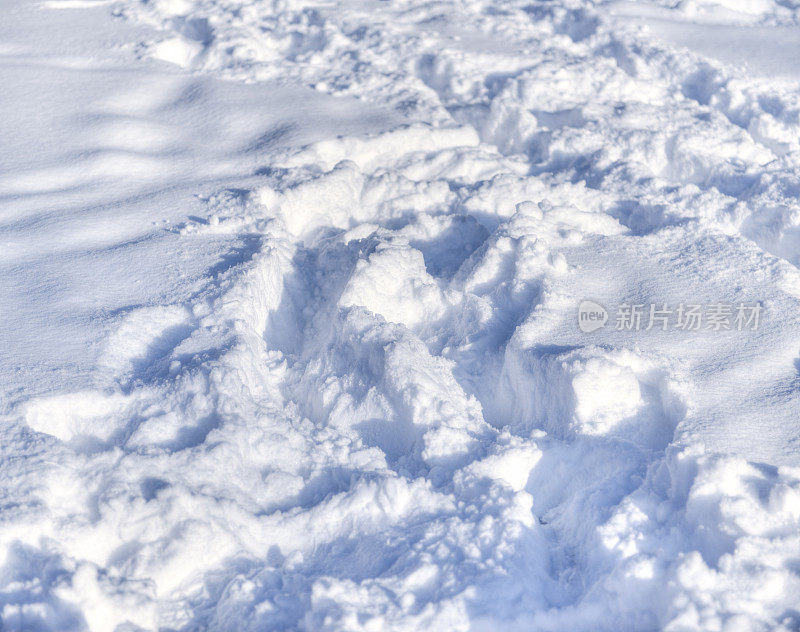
(289, 304)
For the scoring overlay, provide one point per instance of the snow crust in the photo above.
(290, 338)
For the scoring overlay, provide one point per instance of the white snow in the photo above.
(289, 315)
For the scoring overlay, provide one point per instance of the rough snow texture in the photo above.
(375, 411)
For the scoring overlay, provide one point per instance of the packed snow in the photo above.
(291, 305)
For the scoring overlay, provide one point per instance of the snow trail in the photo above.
(364, 403)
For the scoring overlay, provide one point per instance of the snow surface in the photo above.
(288, 328)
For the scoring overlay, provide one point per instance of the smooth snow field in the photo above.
(399, 315)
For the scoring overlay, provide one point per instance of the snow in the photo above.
(290, 299)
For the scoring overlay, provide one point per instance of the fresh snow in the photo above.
(289, 296)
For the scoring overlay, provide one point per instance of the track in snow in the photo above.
(363, 402)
